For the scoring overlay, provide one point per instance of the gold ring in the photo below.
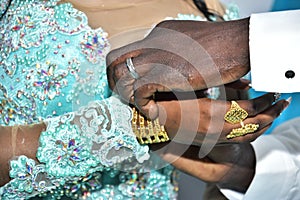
(236, 114)
(244, 130)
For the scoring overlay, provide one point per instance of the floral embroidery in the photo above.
(11, 110)
(27, 28)
(95, 45)
(65, 151)
(49, 59)
(28, 178)
(49, 82)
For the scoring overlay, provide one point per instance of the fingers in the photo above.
(257, 105)
(116, 62)
(253, 136)
(144, 100)
(264, 120)
(190, 163)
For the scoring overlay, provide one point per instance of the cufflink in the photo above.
(290, 74)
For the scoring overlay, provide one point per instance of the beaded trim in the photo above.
(4, 4)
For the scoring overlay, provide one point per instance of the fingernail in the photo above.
(250, 85)
(289, 100)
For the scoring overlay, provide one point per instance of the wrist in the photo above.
(15, 141)
(232, 47)
(242, 173)
(223, 46)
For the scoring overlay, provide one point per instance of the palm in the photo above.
(227, 165)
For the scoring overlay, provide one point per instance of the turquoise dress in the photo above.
(52, 69)
(51, 64)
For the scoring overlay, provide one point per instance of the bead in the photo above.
(46, 72)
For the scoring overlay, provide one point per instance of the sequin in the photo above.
(3, 6)
(49, 82)
(69, 154)
(94, 45)
(51, 63)
(13, 110)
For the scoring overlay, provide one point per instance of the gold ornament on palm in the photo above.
(236, 114)
(244, 130)
(147, 131)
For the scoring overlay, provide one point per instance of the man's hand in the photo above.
(180, 56)
(229, 166)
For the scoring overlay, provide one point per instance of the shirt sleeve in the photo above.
(274, 51)
(277, 169)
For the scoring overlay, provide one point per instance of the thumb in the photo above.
(144, 98)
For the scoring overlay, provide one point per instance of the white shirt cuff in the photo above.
(274, 42)
(232, 195)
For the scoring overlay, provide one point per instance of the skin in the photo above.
(228, 166)
(179, 118)
(16, 141)
(225, 42)
(24, 139)
(232, 64)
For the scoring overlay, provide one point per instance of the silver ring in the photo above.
(277, 96)
(131, 68)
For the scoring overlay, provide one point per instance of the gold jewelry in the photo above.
(150, 133)
(235, 114)
(244, 130)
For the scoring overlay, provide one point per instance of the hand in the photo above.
(180, 56)
(229, 166)
(201, 121)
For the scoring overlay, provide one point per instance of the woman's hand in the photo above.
(180, 56)
(201, 121)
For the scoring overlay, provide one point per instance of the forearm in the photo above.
(16, 141)
(222, 50)
(242, 172)
(74, 144)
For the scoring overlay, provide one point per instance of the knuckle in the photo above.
(118, 71)
(252, 108)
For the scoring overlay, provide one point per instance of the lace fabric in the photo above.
(93, 139)
(47, 53)
(52, 63)
(3, 7)
(96, 135)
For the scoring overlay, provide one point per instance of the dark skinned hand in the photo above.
(180, 56)
(230, 166)
(200, 121)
